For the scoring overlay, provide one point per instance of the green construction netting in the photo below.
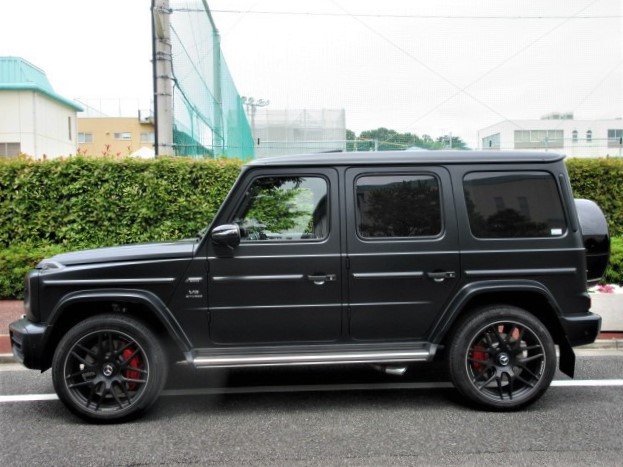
(209, 120)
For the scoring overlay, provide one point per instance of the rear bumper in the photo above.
(581, 329)
(26, 342)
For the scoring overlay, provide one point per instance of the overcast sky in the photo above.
(428, 67)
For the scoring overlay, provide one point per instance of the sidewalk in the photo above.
(610, 307)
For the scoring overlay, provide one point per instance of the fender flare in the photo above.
(451, 313)
(143, 297)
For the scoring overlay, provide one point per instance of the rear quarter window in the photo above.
(513, 205)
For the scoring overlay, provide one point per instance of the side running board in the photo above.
(203, 359)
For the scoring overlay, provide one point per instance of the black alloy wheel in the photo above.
(502, 358)
(109, 368)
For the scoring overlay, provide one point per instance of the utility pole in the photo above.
(163, 77)
(218, 135)
(251, 106)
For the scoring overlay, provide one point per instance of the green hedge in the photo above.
(61, 205)
(614, 274)
(602, 181)
(90, 202)
(16, 261)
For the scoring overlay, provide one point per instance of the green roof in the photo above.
(16, 74)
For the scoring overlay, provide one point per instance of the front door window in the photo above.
(284, 209)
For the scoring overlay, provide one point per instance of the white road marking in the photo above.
(588, 382)
(29, 398)
(316, 388)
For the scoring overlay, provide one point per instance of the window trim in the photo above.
(248, 186)
(357, 215)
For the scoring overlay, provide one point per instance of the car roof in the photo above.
(409, 157)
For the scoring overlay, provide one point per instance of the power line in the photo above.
(403, 16)
(463, 90)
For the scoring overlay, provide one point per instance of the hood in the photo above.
(139, 252)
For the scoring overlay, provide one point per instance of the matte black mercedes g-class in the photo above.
(377, 258)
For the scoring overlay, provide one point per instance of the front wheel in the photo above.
(502, 358)
(109, 368)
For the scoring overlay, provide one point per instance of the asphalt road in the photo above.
(320, 417)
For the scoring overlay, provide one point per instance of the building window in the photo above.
(10, 149)
(615, 138)
(85, 138)
(589, 136)
(491, 142)
(398, 206)
(539, 139)
(574, 136)
(69, 128)
(148, 137)
(124, 136)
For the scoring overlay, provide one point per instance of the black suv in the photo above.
(479, 258)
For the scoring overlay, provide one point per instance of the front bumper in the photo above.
(27, 342)
(581, 329)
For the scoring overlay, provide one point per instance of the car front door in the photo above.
(402, 250)
(282, 283)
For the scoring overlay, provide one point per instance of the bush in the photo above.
(600, 181)
(16, 261)
(614, 273)
(91, 202)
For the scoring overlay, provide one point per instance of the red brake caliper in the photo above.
(479, 352)
(134, 362)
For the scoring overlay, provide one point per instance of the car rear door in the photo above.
(402, 250)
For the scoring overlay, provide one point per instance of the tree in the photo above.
(391, 140)
(384, 139)
(451, 142)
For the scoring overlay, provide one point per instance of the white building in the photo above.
(279, 132)
(559, 133)
(34, 120)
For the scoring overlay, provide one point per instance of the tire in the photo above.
(501, 358)
(109, 368)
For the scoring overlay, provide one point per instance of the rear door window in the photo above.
(398, 206)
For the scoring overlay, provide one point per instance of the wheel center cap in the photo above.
(504, 359)
(108, 369)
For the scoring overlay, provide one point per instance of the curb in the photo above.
(604, 344)
(7, 358)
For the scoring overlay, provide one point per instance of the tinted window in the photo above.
(510, 205)
(284, 208)
(398, 206)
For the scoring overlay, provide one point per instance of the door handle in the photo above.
(320, 279)
(440, 276)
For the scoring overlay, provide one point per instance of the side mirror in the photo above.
(226, 235)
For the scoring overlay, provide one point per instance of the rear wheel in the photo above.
(109, 368)
(502, 358)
